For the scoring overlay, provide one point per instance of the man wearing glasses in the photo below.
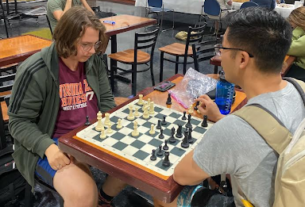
(252, 53)
(54, 92)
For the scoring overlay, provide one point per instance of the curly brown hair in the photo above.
(297, 17)
(71, 28)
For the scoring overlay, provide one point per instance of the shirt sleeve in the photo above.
(228, 147)
(298, 43)
(54, 6)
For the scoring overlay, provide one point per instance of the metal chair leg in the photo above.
(177, 64)
(161, 66)
(152, 72)
(134, 80)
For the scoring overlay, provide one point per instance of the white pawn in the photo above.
(119, 124)
(99, 125)
(144, 106)
(103, 134)
(148, 102)
(130, 115)
(140, 102)
(107, 119)
(152, 129)
(136, 113)
(109, 130)
(146, 114)
(191, 110)
(151, 108)
(135, 131)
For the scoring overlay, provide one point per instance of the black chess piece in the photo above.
(190, 138)
(160, 152)
(161, 136)
(204, 121)
(179, 131)
(163, 121)
(159, 124)
(196, 107)
(185, 142)
(169, 99)
(172, 139)
(165, 147)
(184, 117)
(166, 162)
(87, 123)
(153, 155)
(188, 124)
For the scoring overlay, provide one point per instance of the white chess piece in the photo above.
(107, 119)
(191, 110)
(130, 115)
(140, 102)
(109, 130)
(136, 113)
(144, 106)
(119, 124)
(135, 131)
(103, 134)
(99, 125)
(146, 113)
(152, 129)
(151, 108)
(148, 102)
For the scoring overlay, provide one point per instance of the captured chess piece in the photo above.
(165, 147)
(140, 102)
(160, 152)
(185, 142)
(166, 162)
(179, 131)
(184, 117)
(153, 155)
(119, 124)
(87, 123)
(169, 99)
(204, 121)
(161, 136)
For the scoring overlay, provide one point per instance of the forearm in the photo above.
(67, 7)
(86, 5)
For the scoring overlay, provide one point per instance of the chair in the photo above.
(5, 20)
(136, 57)
(156, 7)
(49, 24)
(178, 50)
(248, 4)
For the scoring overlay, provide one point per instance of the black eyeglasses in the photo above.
(218, 47)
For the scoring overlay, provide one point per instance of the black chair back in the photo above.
(3, 16)
(49, 24)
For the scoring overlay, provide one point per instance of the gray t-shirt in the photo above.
(233, 147)
(54, 5)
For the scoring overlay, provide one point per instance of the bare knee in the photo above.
(113, 186)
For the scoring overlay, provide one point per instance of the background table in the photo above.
(165, 190)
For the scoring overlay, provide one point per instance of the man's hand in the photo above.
(208, 107)
(57, 159)
(229, 3)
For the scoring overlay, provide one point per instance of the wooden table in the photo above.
(165, 190)
(123, 23)
(17, 49)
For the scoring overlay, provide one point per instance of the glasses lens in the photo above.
(97, 45)
(217, 49)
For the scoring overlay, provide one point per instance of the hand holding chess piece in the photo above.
(208, 107)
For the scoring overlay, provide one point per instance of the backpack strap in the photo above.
(299, 85)
(266, 125)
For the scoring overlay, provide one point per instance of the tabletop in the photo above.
(165, 190)
(124, 23)
(17, 49)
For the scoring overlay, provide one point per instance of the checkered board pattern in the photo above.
(138, 149)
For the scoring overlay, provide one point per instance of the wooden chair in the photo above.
(178, 50)
(136, 57)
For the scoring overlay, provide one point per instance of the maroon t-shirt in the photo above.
(77, 99)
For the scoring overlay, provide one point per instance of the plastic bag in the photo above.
(193, 85)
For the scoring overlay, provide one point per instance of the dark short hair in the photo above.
(263, 33)
(71, 28)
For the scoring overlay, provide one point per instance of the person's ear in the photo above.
(244, 60)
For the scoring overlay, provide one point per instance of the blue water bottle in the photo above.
(224, 95)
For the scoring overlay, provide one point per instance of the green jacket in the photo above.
(34, 105)
(297, 47)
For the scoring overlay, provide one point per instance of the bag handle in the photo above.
(299, 85)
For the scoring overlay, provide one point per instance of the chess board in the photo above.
(137, 150)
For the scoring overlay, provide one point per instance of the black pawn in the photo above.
(160, 152)
(169, 99)
(179, 131)
(87, 121)
(163, 121)
(190, 138)
(165, 147)
(185, 142)
(196, 107)
(204, 121)
(189, 125)
(159, 124)
(172, 138)
(161, 136)
(184, 117)
(153, 155)
(166, 162)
